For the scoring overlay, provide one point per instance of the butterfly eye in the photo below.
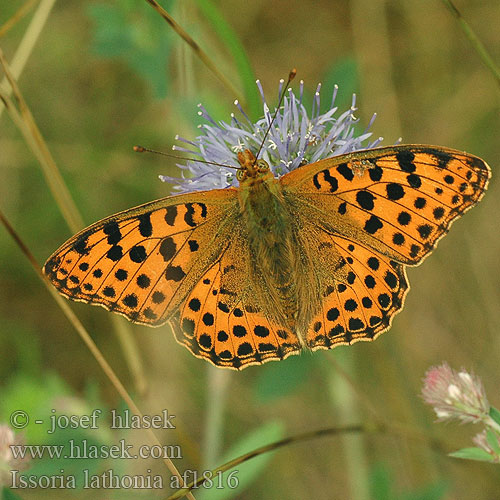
(263, 165)
(240, 175)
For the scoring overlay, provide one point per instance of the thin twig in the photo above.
(202, 55)
(18, 15)
(274, 446)
(33, 137)
(474, 41)
(375, 428)
(84, 335)
(29, 40)
(35, 140)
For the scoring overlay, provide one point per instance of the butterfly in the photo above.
(248, 274)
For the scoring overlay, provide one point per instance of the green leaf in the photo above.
(276, 380)
(492, 438)
(472, 454)
(136, 34)
(246, 473)
(495, 414)
(9, 495)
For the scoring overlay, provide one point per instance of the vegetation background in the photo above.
(105, 75)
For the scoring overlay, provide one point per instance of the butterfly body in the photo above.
(273, 248)
(244, 275)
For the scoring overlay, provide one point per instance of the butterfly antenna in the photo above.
(291, 76)
(142, 149)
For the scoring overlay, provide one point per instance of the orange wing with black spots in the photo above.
(184, 260)
(240, 288)
(398, 200)
(377, 211)
(222, 322)
(142, 263)
(361, 304)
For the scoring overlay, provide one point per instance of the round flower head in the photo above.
(295, 138)
(455, 395)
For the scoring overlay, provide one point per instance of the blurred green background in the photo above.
(105, 75)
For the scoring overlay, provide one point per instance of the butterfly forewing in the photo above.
(143, 262)
(398, 200)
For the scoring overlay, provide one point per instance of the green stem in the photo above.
(474, 40)
(216, 393)
(233, 44)
(491, 423)
(345, 403)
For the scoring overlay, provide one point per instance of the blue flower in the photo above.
(296, 138)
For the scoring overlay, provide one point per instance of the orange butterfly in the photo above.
(311, 260)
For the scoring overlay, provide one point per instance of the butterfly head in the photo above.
(251, 169)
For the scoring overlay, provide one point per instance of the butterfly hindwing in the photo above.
(398, 200)
(222, 319)
(142, 262)
(362, 302)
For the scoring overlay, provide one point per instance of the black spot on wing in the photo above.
(174, 273)
(115, 253)
(420, 203)
(143, 281)
(112, 230)
(328, 178)
(442, 158)
(208, 319)
(414, 181)
(365, 199)
(373, 224)
(398, 239)
(405, 160)
(190, 211)
(131, 300)
(404, 218)
(121, 274)
(170, 215)
(80, 245)
(145, 226)
(394, 191)
(168, 249)
(375, 173)
(137, 254)
(158, 297)
(194, 305)
(344, 170)
(193, 245)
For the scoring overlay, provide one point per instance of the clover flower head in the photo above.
(7, 460)
(455, 395)
(295, 138)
